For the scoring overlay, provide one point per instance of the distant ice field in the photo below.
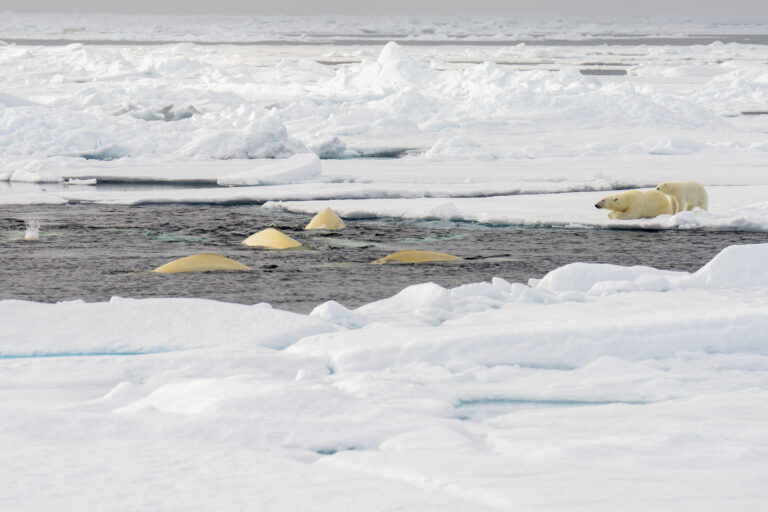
(465, 122)
(361, 29)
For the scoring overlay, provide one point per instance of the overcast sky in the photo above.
(736, 8)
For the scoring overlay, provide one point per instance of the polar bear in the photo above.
(636, 204)
(685, 194)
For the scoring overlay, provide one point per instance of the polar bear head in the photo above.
(665, 188)
(616, 202)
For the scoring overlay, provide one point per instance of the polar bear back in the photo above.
(686, 195)
(636, 204)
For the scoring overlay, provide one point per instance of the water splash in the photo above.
(33, 230)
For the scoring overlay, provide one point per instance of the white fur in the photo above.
(686, 195)
(636, 204)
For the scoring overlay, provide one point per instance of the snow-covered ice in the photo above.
(473, 121)
(597, 387)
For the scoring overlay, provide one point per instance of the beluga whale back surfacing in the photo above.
(271, 238)
(413, 256)
(205, 262)
(326, 219)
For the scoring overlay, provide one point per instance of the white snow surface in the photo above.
(302, 166)
(595, 388)
(598, 387)
(473, 121)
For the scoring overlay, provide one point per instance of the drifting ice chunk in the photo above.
(167, 113)
(326, 219)
(737, 266)
(393, 69)
(271, 239)
(601, 278)
(334, 313)
(398, 67)
(200, 263)
(298, 167)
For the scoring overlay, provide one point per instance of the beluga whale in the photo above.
(204, 262)
(326, 219)
(413, 256)
(271, 238)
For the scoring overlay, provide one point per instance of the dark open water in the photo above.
(96, 252)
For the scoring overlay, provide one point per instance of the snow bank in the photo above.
(737, 91)
(45, 131)
(265, 137)
(458, 148)
(442, 394)
(604, 279)
(219, 103)
(671, 146)
(397, 95)
(394, 68)
(633, 313)
(737, 266)
(145, 326)
(430, 304)
(6, 100)
(301, 167)
(29, 130)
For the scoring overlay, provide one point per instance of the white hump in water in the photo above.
(200, 263)
(417, 257)
(271, 239)
(326, 219)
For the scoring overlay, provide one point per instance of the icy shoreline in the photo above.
(417, 190)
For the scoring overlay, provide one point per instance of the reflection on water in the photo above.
(95, 252)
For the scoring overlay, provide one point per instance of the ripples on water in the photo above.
(96, 252)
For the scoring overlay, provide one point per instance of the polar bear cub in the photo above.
(636, 204)
(685, 194)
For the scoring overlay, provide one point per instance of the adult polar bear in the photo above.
(636, 204)
(686, 195)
